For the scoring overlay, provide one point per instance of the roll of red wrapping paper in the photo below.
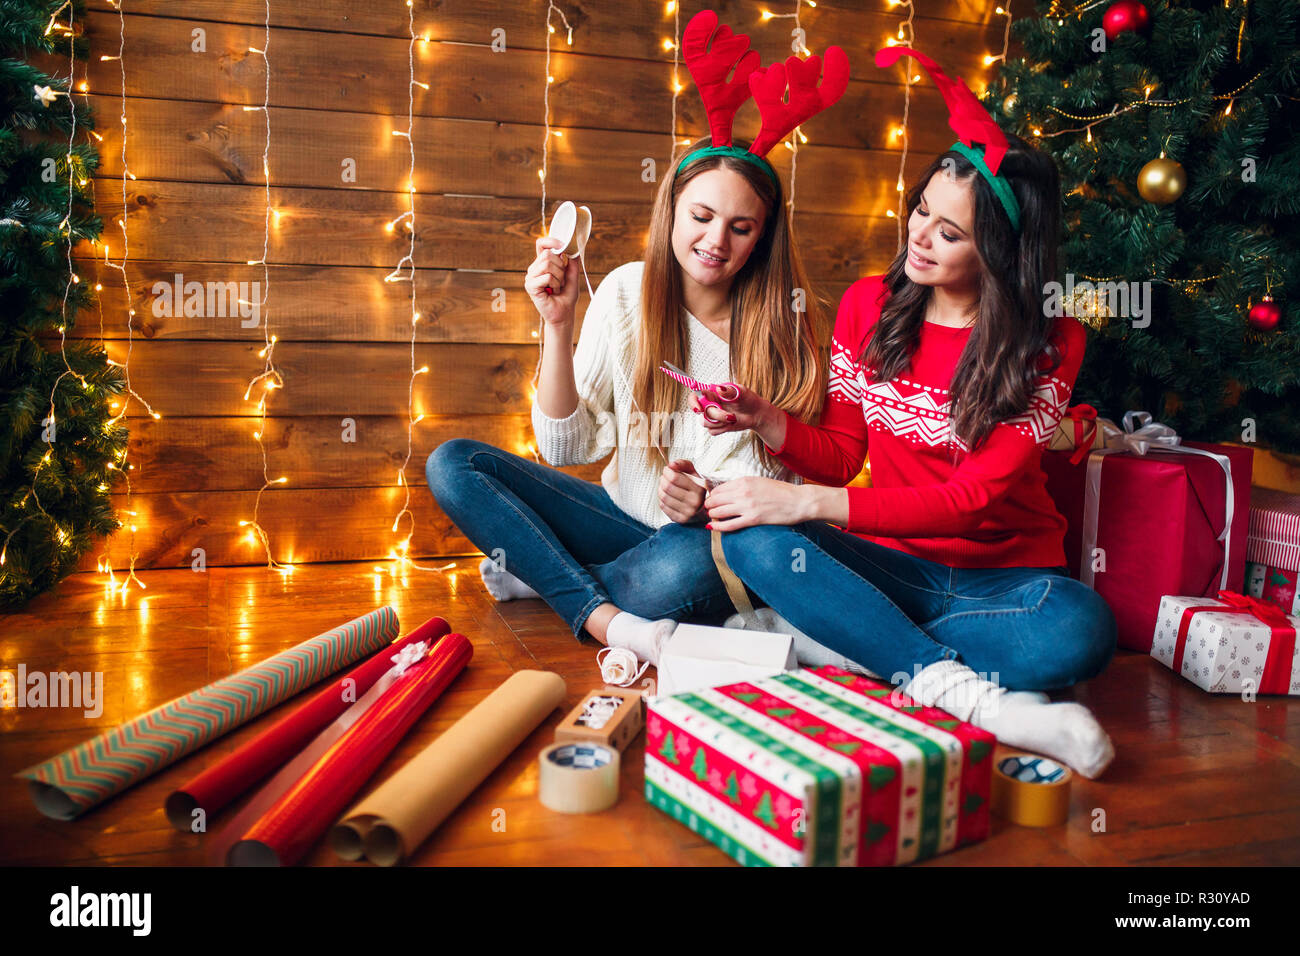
(301, 816)
(214, 789)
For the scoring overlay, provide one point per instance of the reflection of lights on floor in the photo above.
(8, 689)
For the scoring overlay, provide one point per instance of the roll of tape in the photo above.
(1030, 790)
(578, 777)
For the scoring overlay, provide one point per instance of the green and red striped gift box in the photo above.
(818, 768)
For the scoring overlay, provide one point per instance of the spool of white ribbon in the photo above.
(619, 668)
(1140, 440)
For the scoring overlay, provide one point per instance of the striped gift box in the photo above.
(818, 768)
(1273, 535)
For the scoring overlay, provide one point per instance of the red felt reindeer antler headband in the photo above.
(970, 121)
(729, 55)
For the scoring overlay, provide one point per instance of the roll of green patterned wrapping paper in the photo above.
(66, 786)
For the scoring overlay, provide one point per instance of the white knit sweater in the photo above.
(604, 420)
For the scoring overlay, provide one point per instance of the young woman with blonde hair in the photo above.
(723, 296)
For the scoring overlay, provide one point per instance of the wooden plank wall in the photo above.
(338, 88)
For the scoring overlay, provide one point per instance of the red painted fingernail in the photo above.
(709, 526)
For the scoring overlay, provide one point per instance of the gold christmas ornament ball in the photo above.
(1162, 181)
(1009, 104)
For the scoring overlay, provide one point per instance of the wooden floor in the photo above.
(1198, 779)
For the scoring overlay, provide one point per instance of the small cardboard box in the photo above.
(594, 720)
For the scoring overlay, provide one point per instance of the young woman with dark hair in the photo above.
(948, 573)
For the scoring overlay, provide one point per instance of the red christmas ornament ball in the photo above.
(1265, 314)
(1125, 16)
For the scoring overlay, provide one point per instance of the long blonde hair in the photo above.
(775, 349)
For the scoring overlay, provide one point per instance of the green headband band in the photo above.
(1001, 189)
(736, 151)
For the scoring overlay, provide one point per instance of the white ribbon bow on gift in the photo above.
(1140, 440)
(407, 657)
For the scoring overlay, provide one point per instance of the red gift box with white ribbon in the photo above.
(1148, 515)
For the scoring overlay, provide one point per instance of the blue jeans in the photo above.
(567, 539)
(1034, 628)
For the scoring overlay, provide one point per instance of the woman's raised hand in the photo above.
(559, 273)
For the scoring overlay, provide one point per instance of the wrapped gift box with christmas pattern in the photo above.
(818, 768)
(1230, 644)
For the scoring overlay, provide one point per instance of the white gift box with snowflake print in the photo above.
(1225, 651)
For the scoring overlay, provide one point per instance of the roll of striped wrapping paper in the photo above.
(213, 789)
(66, 786)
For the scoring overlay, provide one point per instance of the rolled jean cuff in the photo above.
(581, 619)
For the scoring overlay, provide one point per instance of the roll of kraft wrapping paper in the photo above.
(395, 819)
(66, 786)
(216, 787)
(297, 819)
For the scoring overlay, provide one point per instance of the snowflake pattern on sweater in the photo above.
(920, 413)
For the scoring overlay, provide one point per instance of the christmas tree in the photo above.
(58, 440)
(1176, 128)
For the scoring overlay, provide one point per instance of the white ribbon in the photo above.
(598, 711)
(1139, 440)
(619, 668)
(407, 656)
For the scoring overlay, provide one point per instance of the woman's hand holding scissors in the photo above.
(552, 283)
(740, 411)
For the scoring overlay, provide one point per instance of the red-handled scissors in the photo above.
(699, 388)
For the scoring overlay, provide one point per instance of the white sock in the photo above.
(503, 585)
(806, 651)
(643, 638)
(1066, 731)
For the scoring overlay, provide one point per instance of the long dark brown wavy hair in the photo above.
(994, 378)
(779, 352)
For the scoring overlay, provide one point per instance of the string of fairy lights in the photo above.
(105, 563)
(551, 9)
(269, 378)
(906, 36)
(405, 272)
(801, 49)
(1117, 110)
(542, 173)
(673, 9)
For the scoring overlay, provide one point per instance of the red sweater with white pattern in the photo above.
(991, 509)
